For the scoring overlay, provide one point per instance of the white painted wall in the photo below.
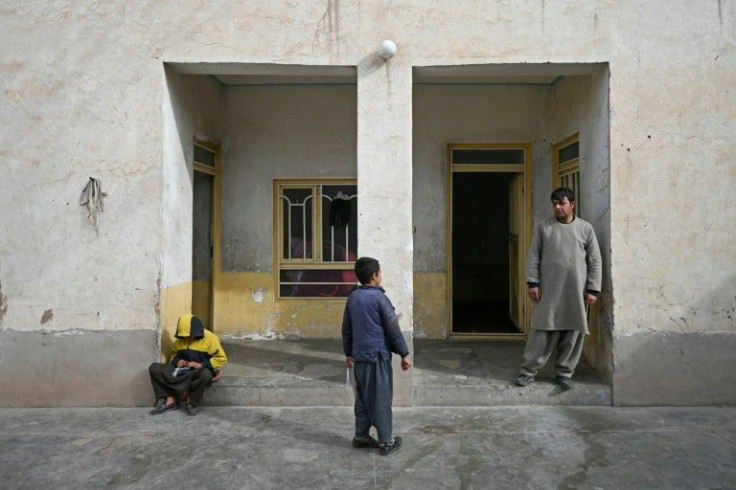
(74, 104)
(580, 105)
(385, 187)
(446, 114)
(82, 94)
(82, 87)
(192, 109)
(278, 132)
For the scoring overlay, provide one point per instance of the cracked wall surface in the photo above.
(84, 92)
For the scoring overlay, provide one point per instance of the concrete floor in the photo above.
(445, 373)
(539, 447)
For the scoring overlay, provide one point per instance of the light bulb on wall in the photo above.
(386, 49)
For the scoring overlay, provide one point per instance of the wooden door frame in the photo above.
(216, 220)
(526, 169)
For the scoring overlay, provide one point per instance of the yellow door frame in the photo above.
(526, 170)
(216, 224)
(569, 171)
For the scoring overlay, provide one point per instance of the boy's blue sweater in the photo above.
(370, 328)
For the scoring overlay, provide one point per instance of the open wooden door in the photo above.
(516, 256)
(204, 216)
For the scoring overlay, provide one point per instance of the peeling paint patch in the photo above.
(270, 335)
(260, 313)
(47, 316)
(65, 333)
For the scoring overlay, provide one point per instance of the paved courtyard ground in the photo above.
(532, 447)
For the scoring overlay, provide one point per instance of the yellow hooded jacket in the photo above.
(194, 343)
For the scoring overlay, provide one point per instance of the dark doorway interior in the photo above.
(480, 253)
(202, 247)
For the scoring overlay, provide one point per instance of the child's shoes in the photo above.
(388, 448)
(365, 442)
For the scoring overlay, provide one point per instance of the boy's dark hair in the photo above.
(563, 192)
(365, 267)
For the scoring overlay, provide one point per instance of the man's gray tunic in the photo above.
(564, 259)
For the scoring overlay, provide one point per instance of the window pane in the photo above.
(296, 231)
(485, 156)
(204, 156)
(316, 283)
(569, 152)
(339, 223)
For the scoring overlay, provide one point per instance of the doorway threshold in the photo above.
(482, 373)
(299, 373)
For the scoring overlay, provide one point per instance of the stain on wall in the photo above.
(47, 316)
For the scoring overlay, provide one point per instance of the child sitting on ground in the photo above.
(370, 333)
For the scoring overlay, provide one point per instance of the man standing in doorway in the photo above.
(563, 273)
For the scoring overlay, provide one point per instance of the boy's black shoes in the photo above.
(162, 407)
(564, 382)
(366, 442)
(388, 448)
(524, 380)
(192, 409)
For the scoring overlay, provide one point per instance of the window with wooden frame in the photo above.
(566, 167)
(315, 237)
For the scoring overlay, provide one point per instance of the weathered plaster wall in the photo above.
(77, 368)
(82, 91)
(192, 108)
(580, 105)
(385, 183)
(74, 104)
(276, 132)
(68, 113)
(446, 114)
(672, 168)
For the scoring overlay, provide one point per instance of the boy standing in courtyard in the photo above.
(370, 333)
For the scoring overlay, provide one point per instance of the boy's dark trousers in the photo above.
(166, 384)
(374, 388)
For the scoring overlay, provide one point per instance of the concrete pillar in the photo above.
(385, 188)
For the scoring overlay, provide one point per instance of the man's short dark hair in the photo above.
(365, 267)
(563, 192)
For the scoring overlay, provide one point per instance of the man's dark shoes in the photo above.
(388, 448)
(524, 380)
(564, 382)
(162, 407)
(365, 442)
(192, 409)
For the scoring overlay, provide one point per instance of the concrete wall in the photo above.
(265, 133)
(75, 104)
(276, 132)
(192, 109)
(84, 93)
(446, 114)
(580, 105)
(672, 168)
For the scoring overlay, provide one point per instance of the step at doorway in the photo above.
(297, 373)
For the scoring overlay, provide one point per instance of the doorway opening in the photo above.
(488, 223)
(480, 258)
(203, 232)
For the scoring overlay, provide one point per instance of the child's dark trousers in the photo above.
(373, 397)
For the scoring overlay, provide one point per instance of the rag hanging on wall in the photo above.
(92, 198)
